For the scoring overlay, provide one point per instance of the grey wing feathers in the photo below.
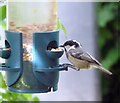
(82, 55)
(94, 60)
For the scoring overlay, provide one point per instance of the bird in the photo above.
(79, 58)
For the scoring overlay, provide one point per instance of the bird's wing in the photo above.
(82, 55)
(96, 61)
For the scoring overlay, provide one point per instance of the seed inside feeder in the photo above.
(55, 49)
(27, 55)
(41, 17)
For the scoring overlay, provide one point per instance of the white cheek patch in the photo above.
(67, 47)
(70, 47)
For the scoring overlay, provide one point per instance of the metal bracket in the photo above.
(53, 69)
(9, 69)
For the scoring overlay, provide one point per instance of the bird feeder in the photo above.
(30, 64)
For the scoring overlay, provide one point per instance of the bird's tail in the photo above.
(105, 70)
(102, 69)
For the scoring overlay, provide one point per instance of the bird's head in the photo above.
(71, 43)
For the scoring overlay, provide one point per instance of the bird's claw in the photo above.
(66, 65)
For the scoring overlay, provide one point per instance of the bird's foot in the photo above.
(70, 66)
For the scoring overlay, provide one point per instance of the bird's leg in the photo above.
(71, 66)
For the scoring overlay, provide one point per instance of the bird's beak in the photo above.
(61, 46)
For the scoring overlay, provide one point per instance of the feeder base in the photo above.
(31, 91)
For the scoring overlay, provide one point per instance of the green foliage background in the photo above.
(108, 20)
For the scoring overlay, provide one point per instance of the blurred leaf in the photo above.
(111, 58)
(2, 13)
(117, 25)
(21, 98)
(3, 24)
(106, 14)
(58, 24)
(35, 99)
(28, 96)
(64, 30)
(61, 26)
(104, 36)
(105, 86)
(16, 96)
(2, 82)
(6, 96)
(11, 96)
(0, 100)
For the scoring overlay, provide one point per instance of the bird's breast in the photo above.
(78, 63)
